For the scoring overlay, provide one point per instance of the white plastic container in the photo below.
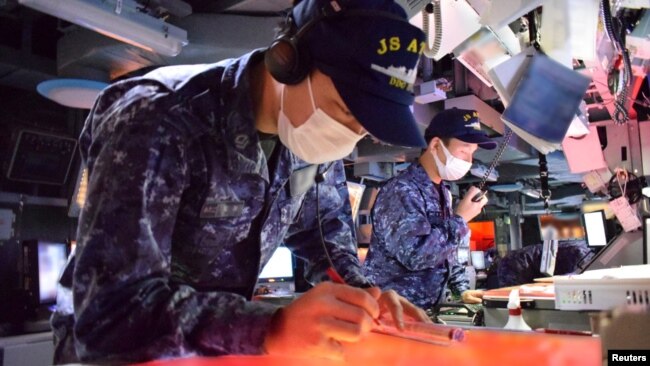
(515, 319)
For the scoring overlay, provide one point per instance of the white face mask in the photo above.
(454, 169)
(320, 139)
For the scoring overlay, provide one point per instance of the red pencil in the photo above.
(336, 278)
(563, 331)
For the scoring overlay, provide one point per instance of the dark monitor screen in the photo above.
(478, 259)
(280, 266)
(530, 231)
(594, 223)
(41, 158)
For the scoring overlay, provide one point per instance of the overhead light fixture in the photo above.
(479, 170)
(507, 188)
(73, 93)
(532, 193)
(119, 19)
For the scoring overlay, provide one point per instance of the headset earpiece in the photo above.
(288, 61)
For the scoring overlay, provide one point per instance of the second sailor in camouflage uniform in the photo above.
(416, 233)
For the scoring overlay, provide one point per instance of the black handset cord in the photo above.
(319, 179)
(615, 29)
(502, 148)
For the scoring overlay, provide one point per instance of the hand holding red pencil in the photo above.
(389, 302)
(315, 323)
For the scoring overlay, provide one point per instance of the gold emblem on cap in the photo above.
(474, 125)
(394, 44)
(468, 116)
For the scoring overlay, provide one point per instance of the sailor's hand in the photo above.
(472, 296)
(315, 323)
(468, 209)
(390, 302)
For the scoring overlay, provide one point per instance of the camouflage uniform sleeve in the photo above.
(458, 282)
(127, 308)
(304, 238)
(400, 217)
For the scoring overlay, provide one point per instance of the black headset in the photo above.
(634, 185)
(288, 59)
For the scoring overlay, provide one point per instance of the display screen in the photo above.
(279, 266)
(51, 261)
(478, 259)
(41, 158)
(482, 235)
(463, 255)
(561, 227)
(595, 227)
(646, 243)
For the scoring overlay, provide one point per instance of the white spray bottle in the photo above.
(515, 319)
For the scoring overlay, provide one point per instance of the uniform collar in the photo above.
(244, 153)
(422, 178)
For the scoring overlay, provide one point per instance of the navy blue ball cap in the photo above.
(372, 60)
(463, 124)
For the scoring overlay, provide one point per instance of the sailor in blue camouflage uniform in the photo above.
(416, 233)
(190, 192)
(523, 266)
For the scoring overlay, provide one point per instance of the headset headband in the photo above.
(334, 10)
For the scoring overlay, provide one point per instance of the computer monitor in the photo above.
(646, 240)
(626, 249)
(463, 255)
(478, 259)
(561, 226)
(594, 223)
(279, 268)
(482, 236)
(530, 231)
(51, 261)
(43, 262)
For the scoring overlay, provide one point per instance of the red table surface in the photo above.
(481, 347)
